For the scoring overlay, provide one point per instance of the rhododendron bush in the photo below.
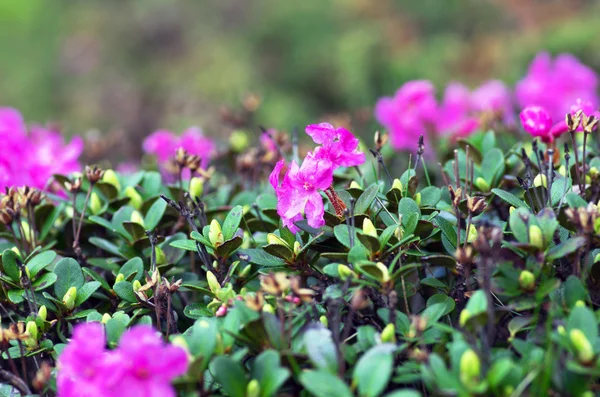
(455, 251)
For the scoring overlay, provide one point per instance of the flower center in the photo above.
(142, 373)
(307, 186)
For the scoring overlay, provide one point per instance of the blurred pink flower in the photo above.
(31, 157)
(556, 85)
(408, 114)
(494, 96)
(454, 115)
(339, 146)
(164, 143)
(142, 365)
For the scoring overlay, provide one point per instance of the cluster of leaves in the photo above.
(483, 286)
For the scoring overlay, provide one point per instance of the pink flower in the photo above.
(339, 146)
(298, 195)
(163, 144)
(147, 364)
(494, 96)
(537, 121)
(454, 116)
(408, 114)
(32, 157)
(85, 366)
(556, 85)
(143, 365)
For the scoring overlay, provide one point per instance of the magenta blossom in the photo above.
(298, 195)
(31, 156)
(339, 146)
(494, 96)
(537, 121)
(454, 116)
(408, 114)
(163, 144)
(557, 85)
(143, 365)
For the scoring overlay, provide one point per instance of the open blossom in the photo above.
(143, 365)
(454, 116)
(408, 114)
(164, 143)
(557, 84)
(537, 121)
(31, 156)
(338, 145)
(298, 195)
(494, 97)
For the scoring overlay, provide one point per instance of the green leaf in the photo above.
(115, 327)
(154, 214)
(105, 245)
(373, 370)
(16, 295)
(324, 384)
(260, 257)
(86, 291)
(492, 166)
(404, 393)
(584, 319)
(407, 207)
(226, 249)
(50, 220)
(230, 375)
(563, 249)
(518, 221)
(232, 222)
(124, 289)
(9, 264)
(196, 311)
(133, 266)
(188, 245)
(40, 261)
(69, 275)
(364, 201)
(509, 198)
(269, 373)
(44, 281)
(321, 349)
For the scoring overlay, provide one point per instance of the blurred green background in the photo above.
(116, 70)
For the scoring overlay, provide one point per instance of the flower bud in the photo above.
(397, 185)
(535, 236)
(527, 280)
(136, 217)
(221, 311)
(32, 330)
(511, 209)
(196, 187)
(135, 199)
(27, 273)
(399, 233)
(540, 180)
(276, 240)
(354, 185)
(583, 347)
(26, 231)
(324, 321)
(136, 285)
(345, 272)
(245, 271)
(465, 315)
(579, 303)
(268, 308)
(297, 248)
(69, 298)
(213, 283)
(385, 272)
(417, 199)
(43, 313)
(161, 258)
(470, 368)
(95, 204)
(238, 141)
(562, 170)
(105, 318)
(120, 277)
(472, 235)
(215, 234)
(111, 177)
(253, 389)
(561, 330)
(369, 228)
(388, 335)
(482, 184)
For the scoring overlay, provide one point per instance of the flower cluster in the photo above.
(31, 156)
(414, 110)
(298, 193)
(163, 144)
(142, 365)
(557, 85)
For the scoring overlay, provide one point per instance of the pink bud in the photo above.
(537, 122)
(221, 311)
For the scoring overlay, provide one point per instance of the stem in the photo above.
(576, 161)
